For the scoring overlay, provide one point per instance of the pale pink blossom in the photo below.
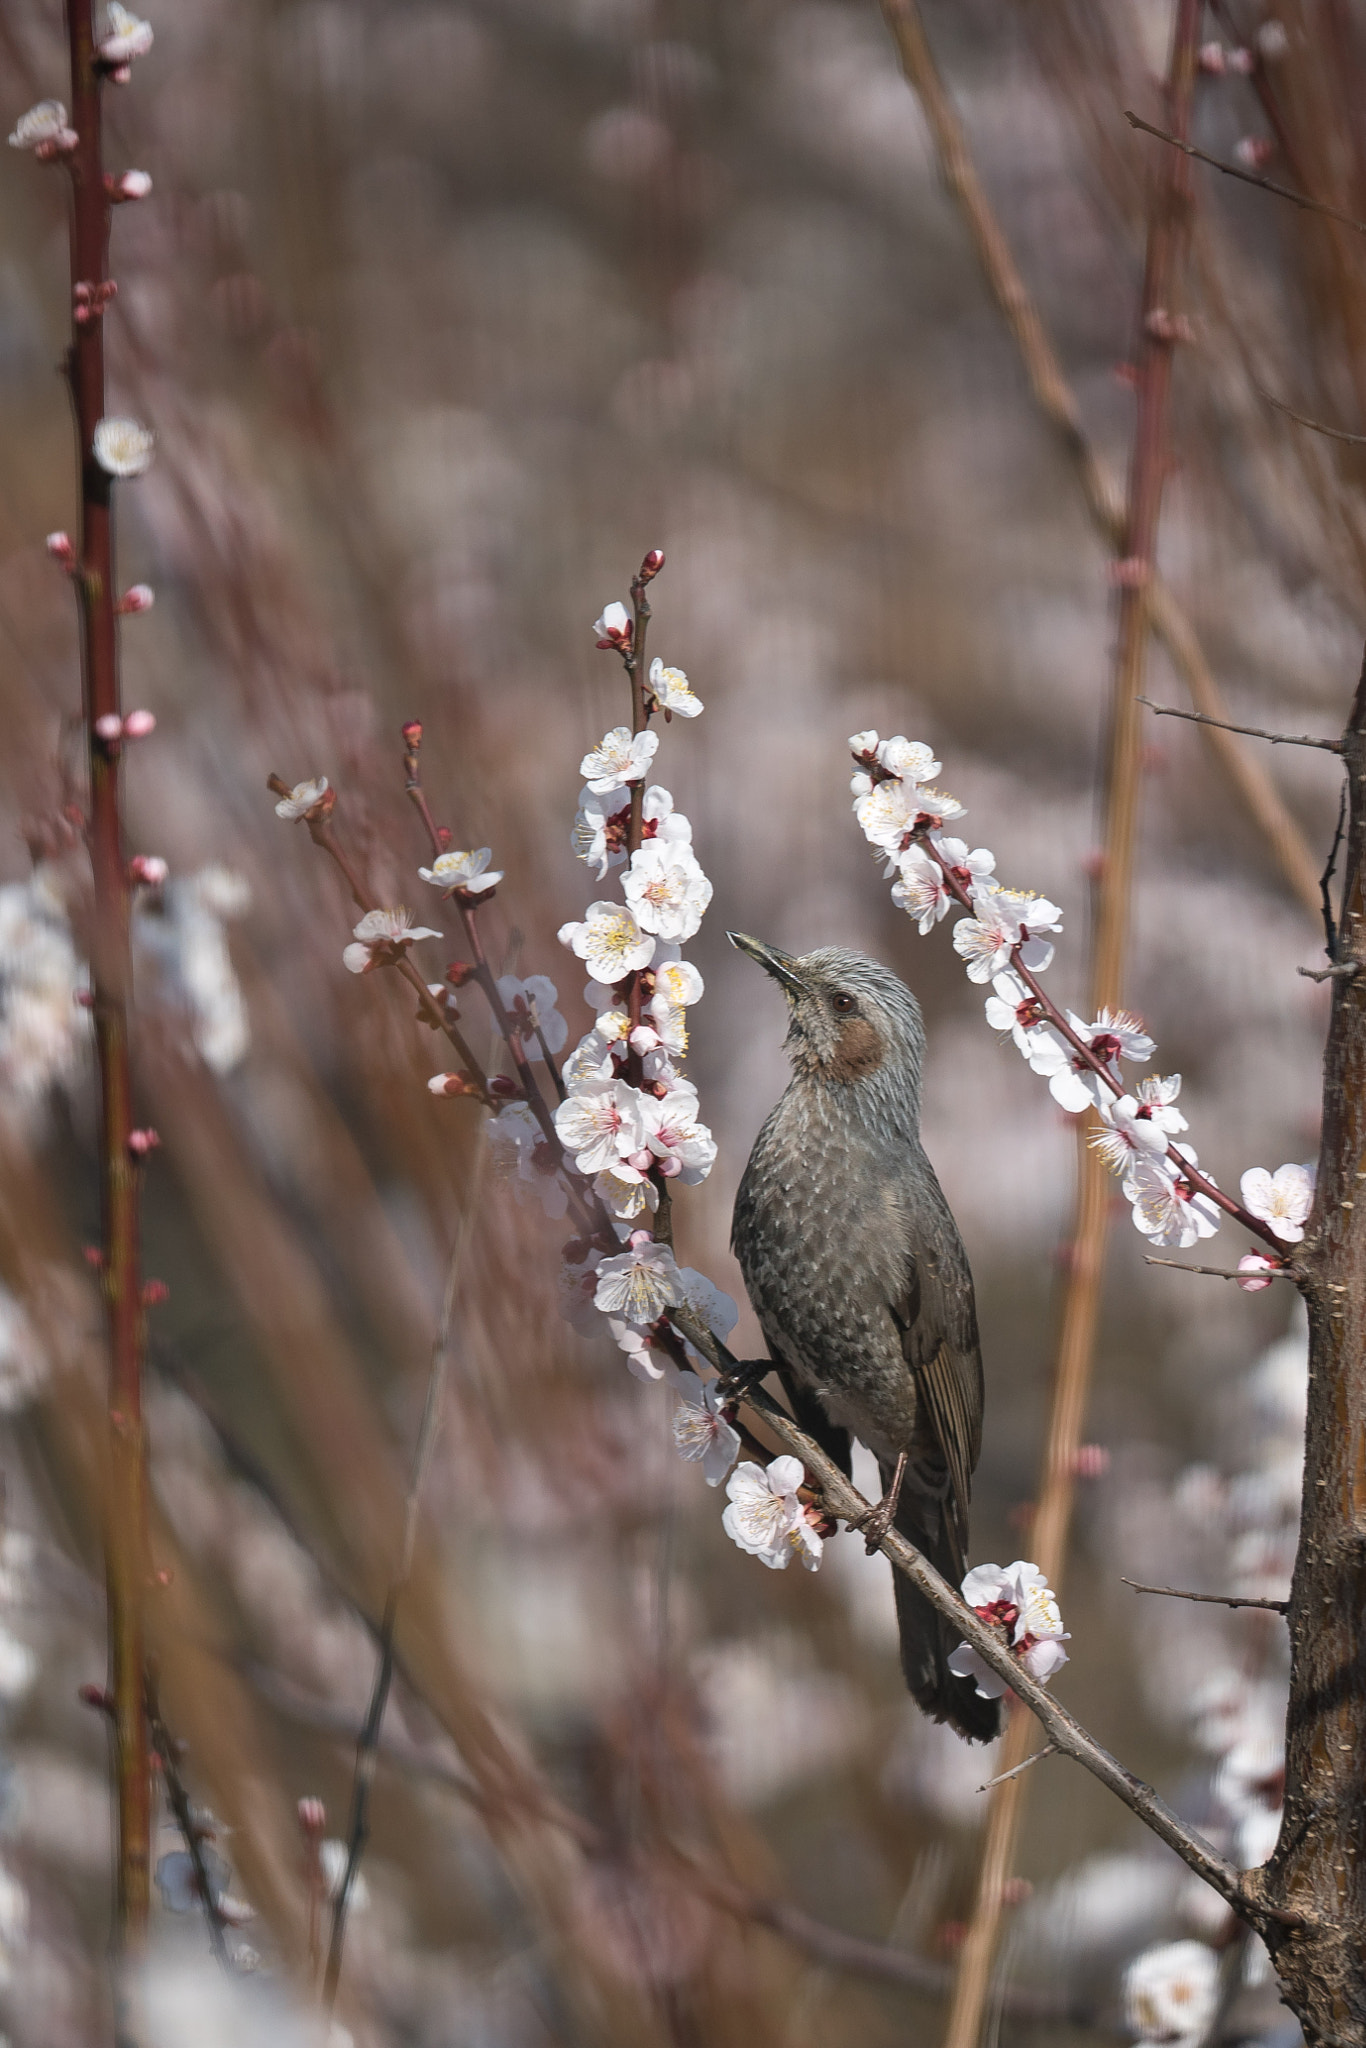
(619, 757)
(640, 1283)
(683, 1146)
(125, 36)
(672, 691)
(382, 937)
(667, 889)
(1019, 1599)
(531, 1006)
(1128, 1134)
(43, 129)
(609, 942)
(1015, 1008)
(1259, 1268)
(139, 725)
(701, 1431)
(139, 597)
(1168, 1207)
(628, 1194)
(765, 1517)
(123, 447)
(599, 834)
(302, 798)
(1002, 920)
(600, 1121)
(454, 870)
(130, 185)
(1116, 1035)
(1282, 1199)
(922, 889)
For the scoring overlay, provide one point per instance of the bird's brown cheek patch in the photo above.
(858, 1053)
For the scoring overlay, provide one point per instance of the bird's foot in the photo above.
(743, 1375)
(873, 1525)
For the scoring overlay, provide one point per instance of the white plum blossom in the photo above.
(909, 760)
(123, 447)
(628, 1195)
(1116, 1035)
(590, 1060)
(1015, 1008)
(683, 1146)
(892, 810)
(1281, 1199)
(1135, 1128)
(922, 888)
(1003, 919)
(452, 871)
(382, 936)
(710, 1306)
(1072, 1082)
(639, 1284)
(677, 986)
(531, 1006)
(660, 819)
(600, 1121)
(599, 833)
(700, 1429)
(302, 798)
(609, 942)
(44, 127)
(1018, 1598)
(1171, 1993)
(619, 757)
(667, 889)
(614, 627)
(523, 1155)
(634, 1341)
(1168, 1208)
(672, 691)
(765, 1517)
(125, 36)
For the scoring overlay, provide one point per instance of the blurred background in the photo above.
(443, 314)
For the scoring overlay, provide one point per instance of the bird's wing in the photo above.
(937, 1321)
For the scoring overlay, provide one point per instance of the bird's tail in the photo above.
(928, 1639)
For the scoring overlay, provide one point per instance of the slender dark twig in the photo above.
(1330, 930)
(1315, 426)
(367, 1746)
(1049, 1749)
(1209, 1599)
(1217, 163)
(1254, 732)
(164, 1745)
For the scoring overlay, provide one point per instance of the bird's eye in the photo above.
(844, 1003)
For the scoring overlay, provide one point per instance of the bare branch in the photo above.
(1303, 420)
(1341, 970)
(1211, 1599)
(1049, 1749)
(1255, 732)
(1217, 163)
(1224, 1272)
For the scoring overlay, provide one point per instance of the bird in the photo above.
(861, 1284)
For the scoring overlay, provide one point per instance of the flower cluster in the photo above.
(1004, 940)
(1018, 1599)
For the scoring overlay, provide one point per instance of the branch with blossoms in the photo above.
(1002, 941)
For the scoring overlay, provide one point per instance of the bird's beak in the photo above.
(780, 965)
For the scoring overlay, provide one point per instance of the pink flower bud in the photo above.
(109, 728)
(1212, 59)
(1242, 62)
(1254, 151)
(670, 1168)
(642, 1161)
(638, 1238)
(93, 1256)
(154, 1292)
(412, 733)
(60, 548)
(84, 999)
(651, 566)
(504, 1087)
(138, 724)
(1256, 1264)
(149, 869)
(132, 185)
(139, 597)
(458, 972)
(1091, 1461)
(451, 1084)
(312, 1818)
(140, 1143)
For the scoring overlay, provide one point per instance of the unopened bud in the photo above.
(452, 1084)
(312, 1818)
(1090, 1461)
(140, 1143)
(109, 728)
(504, 1087)
(93, 1256)
(154, 1292)
(642, 1161)
(1242, 61)
(149, 869)
(83, 998)
(412, 734)
(458, 972)
(140, 597)
(1254, 151)
(1258, 1269)
(671, 1168)
(95, 1696)
(138, 724)
(651, 566)
(1212, 59)
(60, 548)
(132, 185)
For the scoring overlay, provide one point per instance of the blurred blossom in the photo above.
(23, 1366)
(700, 1430)
(774, 1721)
(301, 799)
(44, 1031)
(1171, 1992)
(123, 448)
(185, 933)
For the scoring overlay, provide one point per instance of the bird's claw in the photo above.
(874, 1524)
(743, 1375)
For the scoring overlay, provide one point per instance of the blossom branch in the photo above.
(1267, 1273)
(166, 1749)
(1217, 163)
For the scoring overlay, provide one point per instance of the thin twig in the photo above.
(1209, 1599)
(367, 1746)
(1303, 420)
(1340, 970)
(1255, 732)
(164, 1745)
(1217, 163)
(1330, 930)
(1049, 1749)
(1223, 1272)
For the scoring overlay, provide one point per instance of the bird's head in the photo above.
(851, 1019)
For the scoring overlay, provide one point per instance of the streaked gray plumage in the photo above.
(859, 1279)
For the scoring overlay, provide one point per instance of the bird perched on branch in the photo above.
(859, 1279)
